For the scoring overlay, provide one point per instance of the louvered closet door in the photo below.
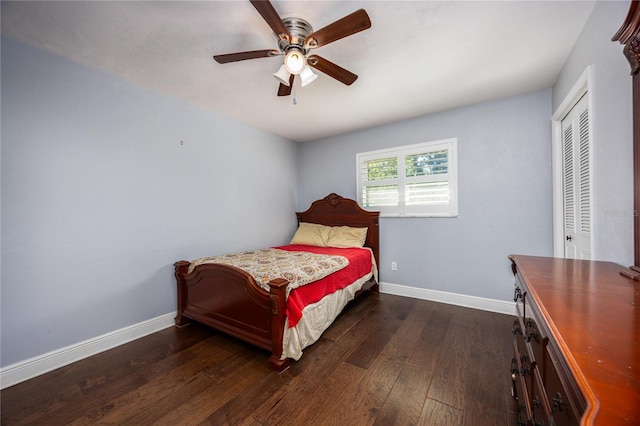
(576, 182)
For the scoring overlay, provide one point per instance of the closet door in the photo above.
(576, 181)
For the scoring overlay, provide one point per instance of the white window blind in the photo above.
(412, 180)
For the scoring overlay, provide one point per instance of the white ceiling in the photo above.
(417, 58)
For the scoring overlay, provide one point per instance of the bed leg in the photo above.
(181, 268)
(278, 294)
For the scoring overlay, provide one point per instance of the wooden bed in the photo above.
(229, 299)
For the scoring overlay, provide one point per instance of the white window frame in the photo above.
(446, 209)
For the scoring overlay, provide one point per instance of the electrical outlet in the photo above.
(394, 266)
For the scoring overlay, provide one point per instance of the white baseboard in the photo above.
(481, 303)
(32, 367)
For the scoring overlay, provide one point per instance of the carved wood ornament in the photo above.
(333, 199)
(629, 36)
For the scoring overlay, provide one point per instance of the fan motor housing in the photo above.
(298, 29)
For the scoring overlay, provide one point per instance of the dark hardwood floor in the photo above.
(386, 360)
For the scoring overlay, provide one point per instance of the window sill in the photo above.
(420, 215)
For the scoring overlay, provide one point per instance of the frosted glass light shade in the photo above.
(307, 76)
(282, 75)
(294, 61)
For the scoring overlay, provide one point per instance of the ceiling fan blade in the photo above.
(285, 90)
(242, 56)
(332, 70)
(350, 24)
(269, 14)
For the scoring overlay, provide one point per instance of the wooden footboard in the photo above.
(228, 299)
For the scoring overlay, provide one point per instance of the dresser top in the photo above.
(593, 313)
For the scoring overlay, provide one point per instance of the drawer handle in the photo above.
(530, 335)
(514, 366)
(516, 327)
(517, 294)
(536, 402)
(525, 365)
(557, 403)
(522, 421)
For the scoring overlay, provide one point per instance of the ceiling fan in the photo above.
(296, 39)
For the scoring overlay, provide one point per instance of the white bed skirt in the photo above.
(316, 318)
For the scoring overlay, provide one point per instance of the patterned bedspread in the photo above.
(297, 267)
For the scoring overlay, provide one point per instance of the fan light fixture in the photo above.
(294, 61)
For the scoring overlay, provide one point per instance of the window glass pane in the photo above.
(380, 196)
(421, 193)
(427, 163)
(411, 180)
(382, 168)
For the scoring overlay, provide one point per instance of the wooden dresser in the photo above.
(577, 342)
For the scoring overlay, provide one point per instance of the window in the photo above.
(412, 180)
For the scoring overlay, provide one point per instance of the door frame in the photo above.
(577, 91)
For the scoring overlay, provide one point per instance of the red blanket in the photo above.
(359, 266)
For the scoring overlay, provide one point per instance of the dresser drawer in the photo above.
(518, 330)
(540, 411)
(534, 334)
(564, 400)
(519, 387)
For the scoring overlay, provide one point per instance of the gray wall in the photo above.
(99, 198)
(612, 175)
(504, 178)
